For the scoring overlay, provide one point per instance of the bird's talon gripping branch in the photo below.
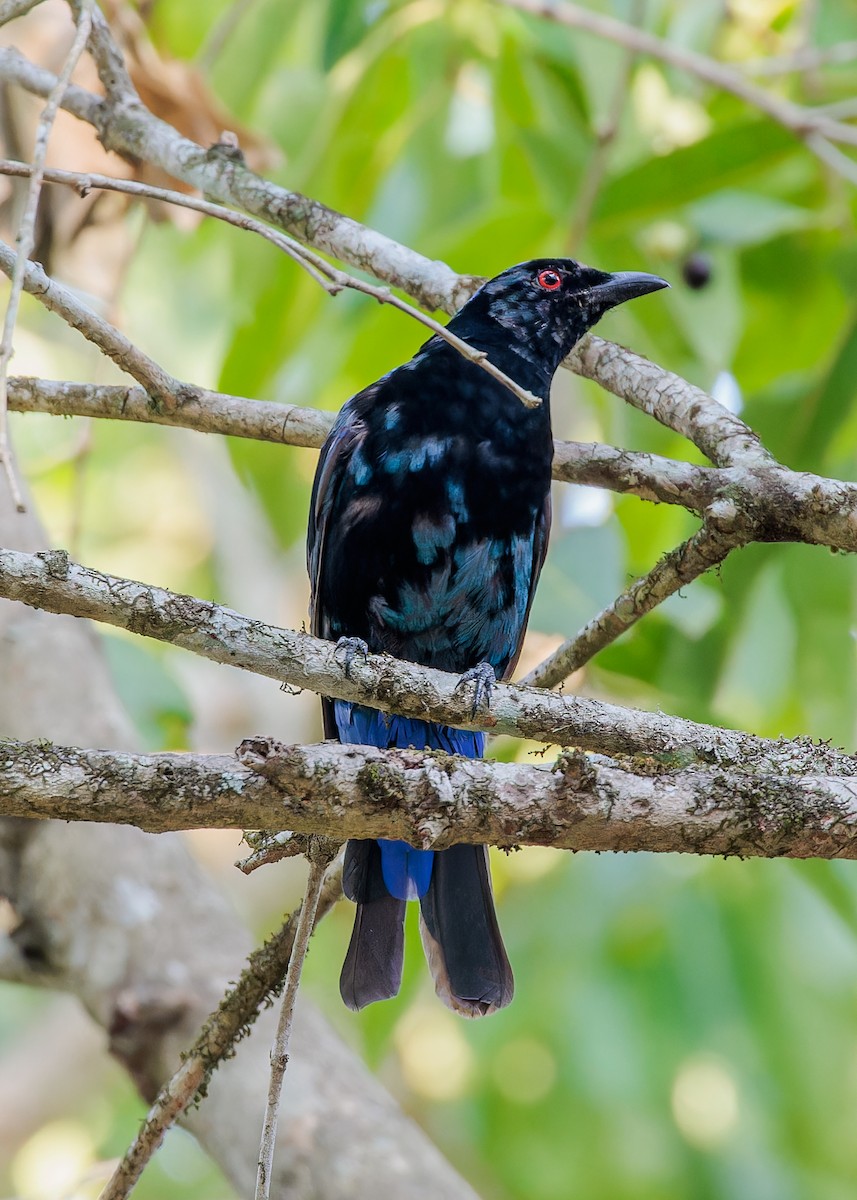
(483, 677)
(350, 647)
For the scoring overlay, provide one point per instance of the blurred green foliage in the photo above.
(682, 1029)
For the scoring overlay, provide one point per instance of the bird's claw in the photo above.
(483, 677)
(350, 647)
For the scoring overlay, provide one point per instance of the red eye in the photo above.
(549, 280)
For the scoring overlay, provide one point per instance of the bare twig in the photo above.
(319, 856)
(161, 386)
(10, 9)
(800, 120)
(267, 848)
(832, 156)
(708, 547)
(27, 235)
(172, 1101)
(649, 476)
(77, 100)
(191, 408)
(840, 109)
(718, 433)
(431, 283)
(331, 278)
(807, 58)
(261, 978)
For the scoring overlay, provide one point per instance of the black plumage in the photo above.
(428, 529)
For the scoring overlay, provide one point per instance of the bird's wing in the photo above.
(344, 438)
(541, 533)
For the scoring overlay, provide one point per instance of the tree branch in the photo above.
(708, 547)
(649, 476)
(159, 384)
(769, 502)
(783, 799)
(330, 278)
(26, 236)
(807, 58)
(260, 980)
(795, 117)
(10, 9)
(50, 581)
(434, 285)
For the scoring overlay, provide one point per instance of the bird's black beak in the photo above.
(624, 285)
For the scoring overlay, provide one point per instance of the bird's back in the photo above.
(430, 516)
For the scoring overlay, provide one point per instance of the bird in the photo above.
(428, 527)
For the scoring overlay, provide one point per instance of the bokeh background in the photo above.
(683, 1028)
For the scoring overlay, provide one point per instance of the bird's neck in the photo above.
(520, 360)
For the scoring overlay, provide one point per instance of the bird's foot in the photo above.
(350, 647)
(483, 677)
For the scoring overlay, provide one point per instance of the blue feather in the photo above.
(406, 871)
(358, 725)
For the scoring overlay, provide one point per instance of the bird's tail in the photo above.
(459, 927)
(373, 965)
(461, 937)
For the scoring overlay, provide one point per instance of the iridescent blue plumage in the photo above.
(406, 871)
(429, 525)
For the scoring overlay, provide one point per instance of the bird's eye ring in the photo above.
(549, 280)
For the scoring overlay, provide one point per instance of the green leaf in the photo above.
(753, 688)
(742, 218)
(347, 23)
(150, 693)
(662, 185)
(828, 405)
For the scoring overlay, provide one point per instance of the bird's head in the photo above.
(543, 307)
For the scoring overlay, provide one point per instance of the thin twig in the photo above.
(432, 283)
(109, 63)
(84, 183)
(839, 109)
(708, 547)
(319, 859)
(808, 58)
(162, 387)
(197, 408)
(832, 156)
(239, 1007)
(267, 848)
(331, 278)
(27, 236)
(171, 1102)
(10, 9)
